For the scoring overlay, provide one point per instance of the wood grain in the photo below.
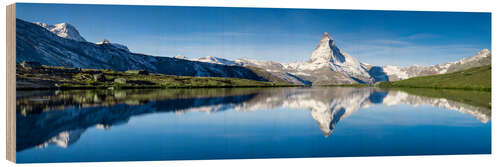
(11, 83)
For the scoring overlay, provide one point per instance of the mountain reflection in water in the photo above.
(61, 117)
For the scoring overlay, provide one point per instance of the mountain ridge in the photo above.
(35, 43)
(328, 64)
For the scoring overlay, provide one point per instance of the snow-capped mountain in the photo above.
(329, 64)
(62, 45)
(215, 60)
(272, 71)
(59, 46)
(481, 58)
(269, 70)
(64, 30)
(328, 55)
(329, 60)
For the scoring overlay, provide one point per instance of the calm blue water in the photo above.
(141, 125)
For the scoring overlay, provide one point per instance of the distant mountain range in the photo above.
(62, 45)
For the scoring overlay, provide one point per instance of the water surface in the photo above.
(187, 124)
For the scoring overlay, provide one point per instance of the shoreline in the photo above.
(154, 87)
(115, 87)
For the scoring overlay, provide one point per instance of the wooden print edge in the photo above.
(11, 82)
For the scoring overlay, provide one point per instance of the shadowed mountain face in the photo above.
(38, 44)
(62, 45)
(61, 117)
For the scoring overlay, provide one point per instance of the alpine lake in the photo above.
(243, 123)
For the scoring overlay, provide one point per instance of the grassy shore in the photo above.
(49, 77)
(471, 97)
(478, 78)
(356, 85)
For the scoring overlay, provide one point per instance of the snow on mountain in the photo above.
(328, 54)
(271, 70)
(481, 58)
(328, 64)
(485, 53)
(119, 46)
(180, 56)
(328, 57)
(216, 60)
(64, 30)
(59, 46)
(269, 66)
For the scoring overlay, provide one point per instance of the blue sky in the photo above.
(282, 35)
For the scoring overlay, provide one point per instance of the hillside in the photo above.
(477, 78)
(35, 43)
(36, 76)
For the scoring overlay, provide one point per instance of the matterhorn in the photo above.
(329, 64)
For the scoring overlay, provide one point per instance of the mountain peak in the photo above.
(327, 38)
(326, 51)
(484, 52)
(64, 30)
(327, 54)
(481, 54)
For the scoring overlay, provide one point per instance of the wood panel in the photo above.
(11, 83)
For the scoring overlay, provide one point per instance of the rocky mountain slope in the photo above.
(476, 78)
(60, 45)
(63, 30)
(481, 58)
(329, 64)
(269, 70)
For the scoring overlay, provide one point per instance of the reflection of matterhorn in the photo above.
(63, 139)
(327, 106)
(339, 104)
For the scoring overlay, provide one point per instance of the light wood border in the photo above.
(11, 83)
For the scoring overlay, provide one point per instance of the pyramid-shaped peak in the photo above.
(326, 41)
(327, 36)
